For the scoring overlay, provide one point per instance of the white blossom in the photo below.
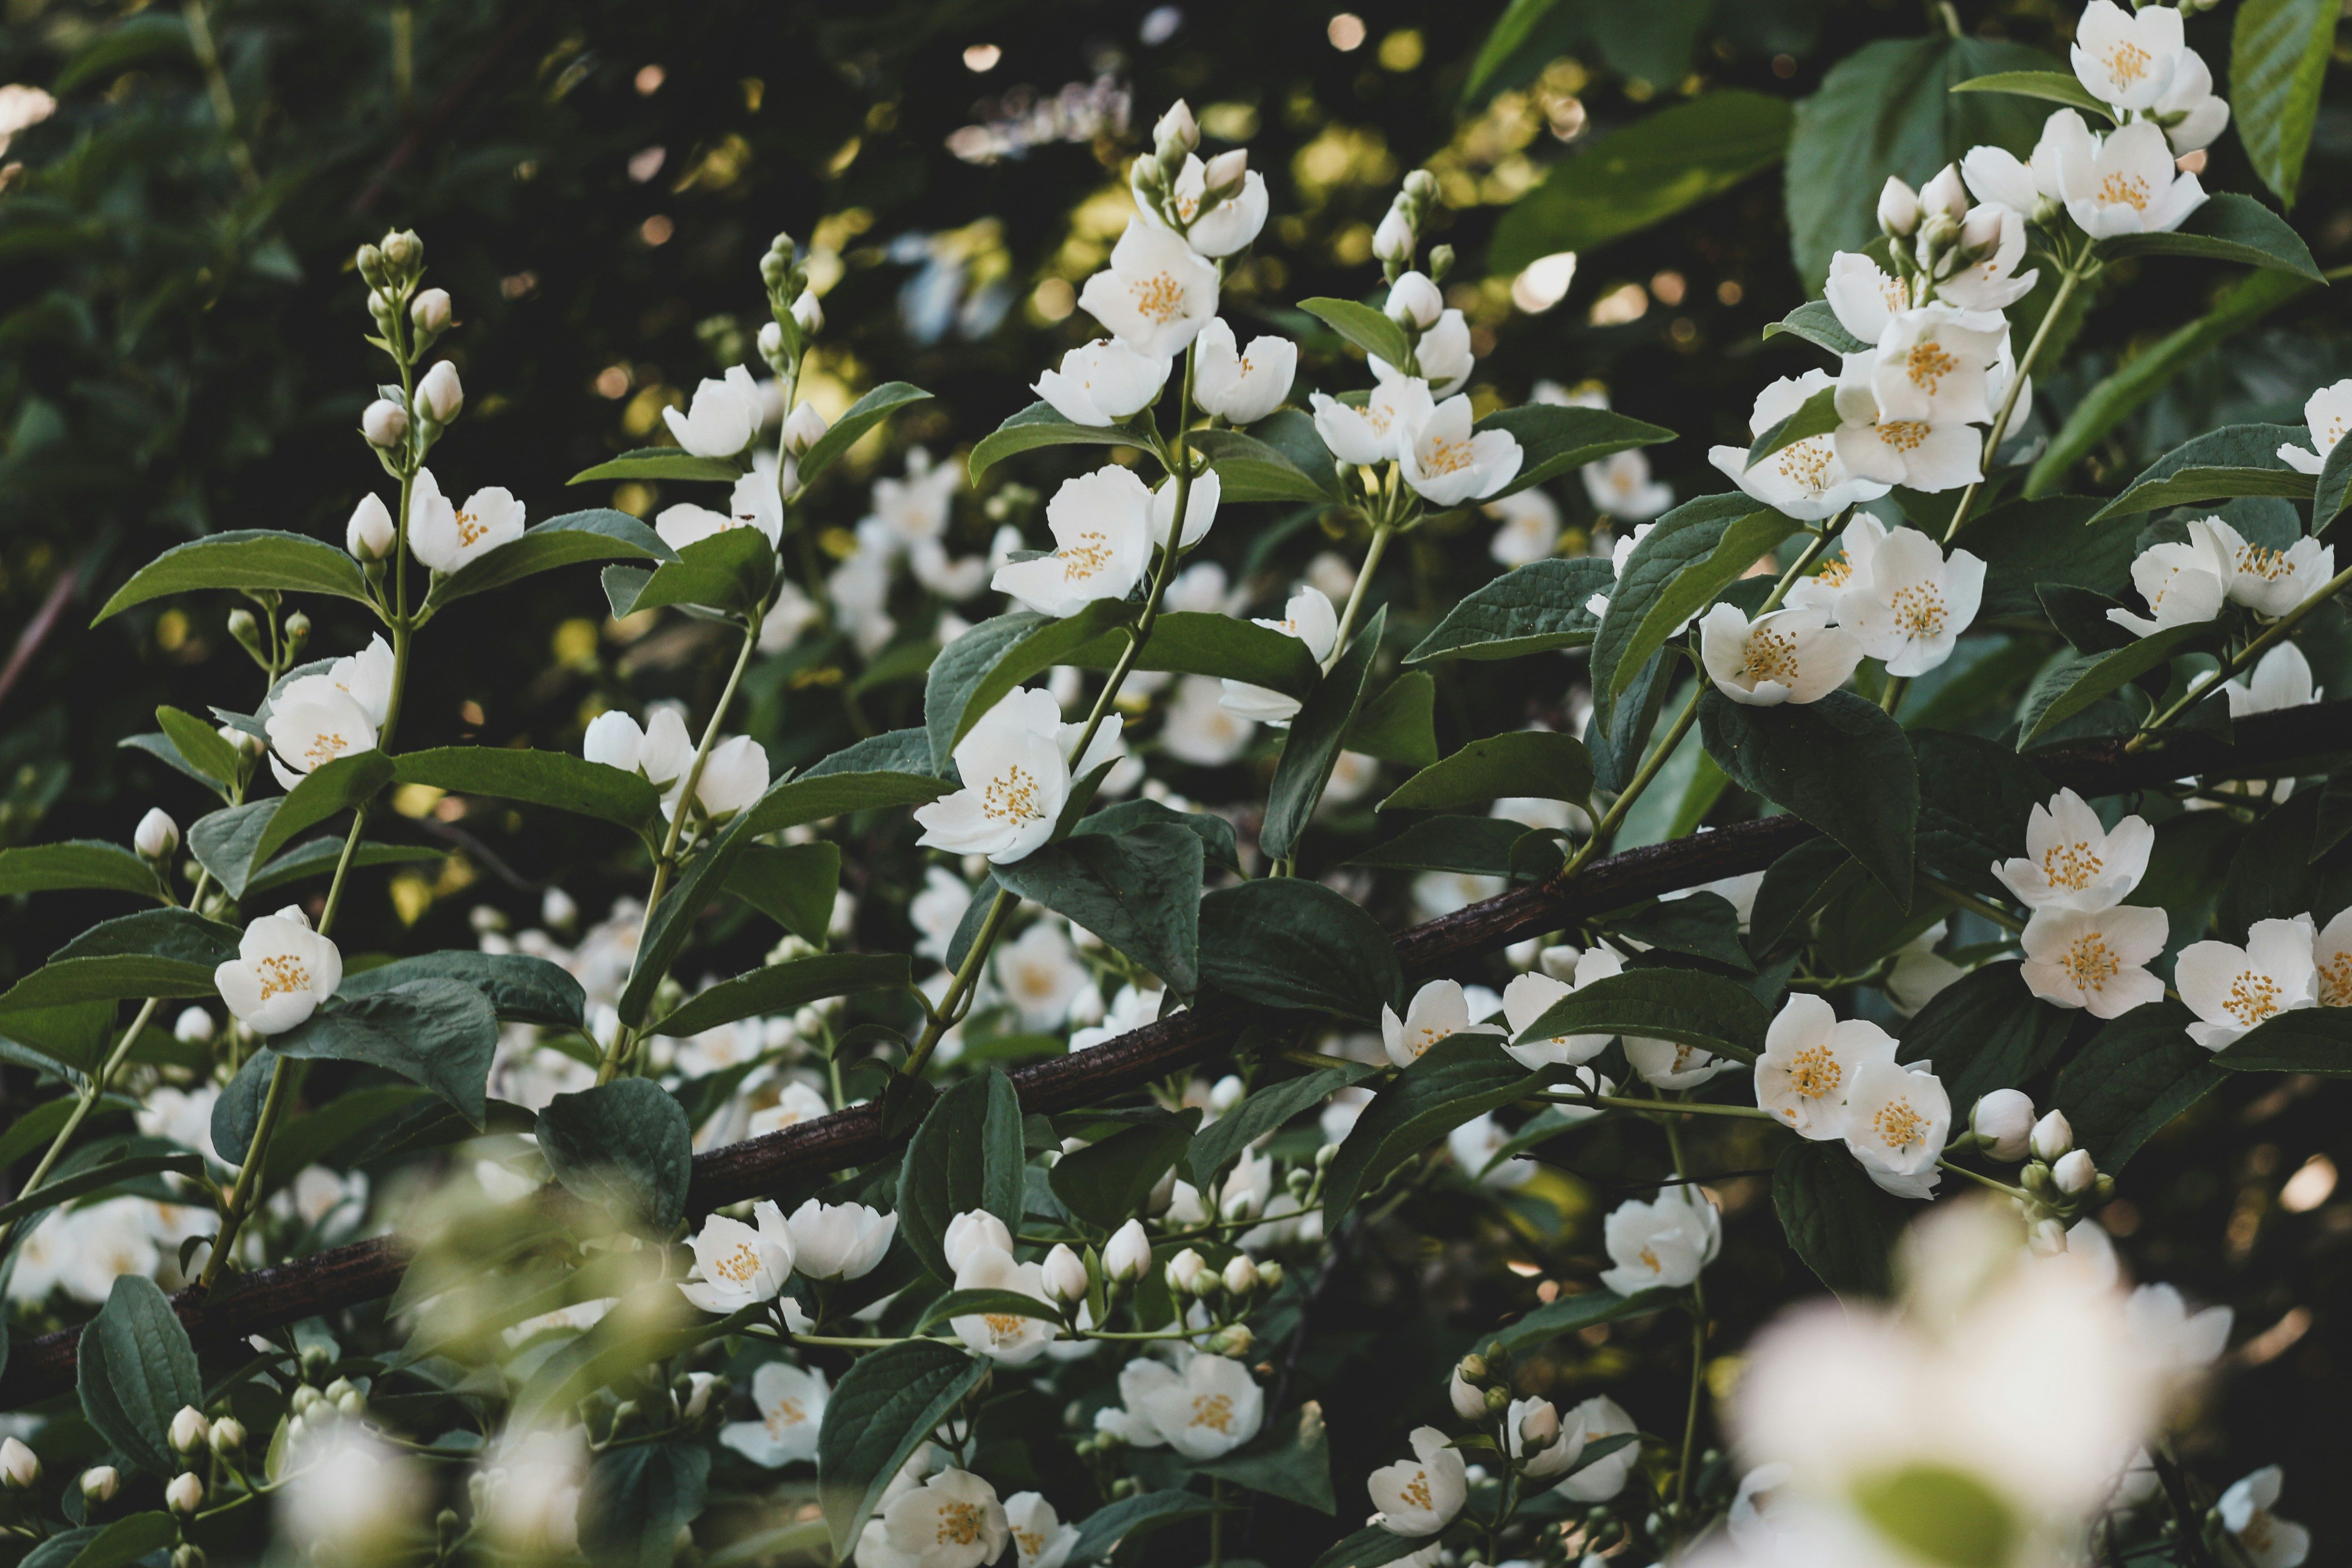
(841, 1241)
(1442, 357)
(734, 774)
(1447, 463)
(1040, 1539)
(738, 1264)
(722, 418)
(1101, 525)
(1924, 454)
(1537, 1440)
(1811, 1060)
(970, 1231)
(2074, 861)
(1783, 655)
(2123, 183)
(790, 1403)
(1529, 996)
(1243, 385)
(1530, 530)
(1104, 382)
(2270, 582)
(1157, 293)
(1006, 1338)
(1205, 1411)
(1931, 363)
(1420, 1496)
(1309, 618)
(2327, 413)
(1042, 975)
(281, 973)
(1806, 480)
(2231, 989)
(1670, 1064)
(2095, 960)
(937, 912)
(2192, 115)
(443, 537)
(1897, 1120)
(2183, 583)
(2265, 1539)
(1438, 1009)
(1198, 729)
(1995, 233)
(1620, 486)
(1826, 587)
(1224, 229)
(311, 722)
(1601, 1417)
(951, 1521)
(1376, 432)
(1661, 1245)
(2125, 59)
(1017, 777)
(1863, 295)
(1199, 509)
(1912, 602)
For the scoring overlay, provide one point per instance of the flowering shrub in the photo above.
(786, 1265)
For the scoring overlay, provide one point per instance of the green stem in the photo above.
(1698, 1351)
(1670, 1108)
(2068, 281)
(1974, 905)
(92, 1093)
(1892, 698)
(1216, 1522)
(1983, 1181)
(2246, 656)
(1372, 553)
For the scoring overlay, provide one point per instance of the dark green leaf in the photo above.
(125, 1540)
(539, 778)
(1362, 325)
(1816, 321)
(1317, 737)
(1985, 1031)
(2228, 227)
(1042, 424)
(224, 842)
(861, 416)
(1975, 799)
(783, 987)
(2028, 545)
(974, 1303)
(137, 1370)
(791, 884)
(1680, 1004)
(1220, 1144)
(1702, 924)
(1519, 762)
(1108, 1182)
(1137, 890)
(1250, 469)
(1284, 941)
(1134, 1516)
(818, 796)
(156, 953)
(2074, 683)
(978, 670)
(520, 988)
(60, 1189)
(2050, 86)
(1688, 543)
(319, 856)
(1201, 642)
(1218, 844)
(2138, 1072)
(324, 791)
(1399, 725)
(249, 559)
(75, 863)
(2303, 1039)
(1530, 609)
(1840, 764)
(729, 572)
(1553, 438)
(892, 752)
(661, 463)
(637, 1500)
(884, 1405)
(625, 1147)
(1372, 1546)
(2220, 465)
(1817, 415)
(1572, 1314)
(1461, 1077)
(1836, 1218)
(1290, 1459)
(200, 744)
(439, 1033)
(966, 1155)
(599, 534)
(155, 38)
(2278, 59)
(671, 921)
(1482, 846)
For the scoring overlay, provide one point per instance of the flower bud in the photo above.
(803, 429)
(1226, 1093)
(1185, 1272)
(772, 343)
(189, 1430)
(2052, 1137)
(337, 1389)
(697, 1395)
(157, 834)
(229, 1436)
(352, 1403)
(430, 313)
(1946, 195)
(1415, 302)
(193, 1026)
(1980, 230)
(1270, 1274)
(1497, 1400)
(370, 262)
(2074, 1172)
(100, 1483)
(1393, 240)
(187, 1554)
(186, 1494)
(808, 314)
(370, 535)
(1223, 177)
(403, 251)
(2003, 1120)
(1238, 1207)
(440, 393)
(384, 423)
(1899, 208)
(2035, 1178)
(1177, 126)
(297, 632)
(1240, 1274)
(1066, 1275)
(2047, 1237)
(1539, 1427)
(1232, 1341)
(1468, 1403)
(1128, 1253)
(20, 1467)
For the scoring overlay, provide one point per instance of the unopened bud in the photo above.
(297, 632)
(1185, 1272)
(315, 1359)
(1065, 1275)
(384, 423)
(2052, 1137)
(157, 835)
(1177, 127)
(20, 1467)
(1420, 187)
(441, 392)
(1899, 208)
(229, 1437)
(771, 344)
(430, 313)
(1393, 240)
(1415, 302)
(186, 1494)
(1223, 176)
(1540, 1426)
(100, 1483)
(1128, 1253)
(352, 1403)
(2003, 1120)
(1226, 1093)
(808, 313)
(187, 1554)
(247, 745)
(337, 1389)
(697, 1399)
(1497, 1400)
(1270, 1274)
(1980, 230)
(1240, 1274)
(1468, 1403)
(371, 265)
(1235, 1341)
(803, 429)
(2075, 1172)
(1945, 195)
(2047, 1237)
(403, 251)
(189, 1430)
(193, 1026)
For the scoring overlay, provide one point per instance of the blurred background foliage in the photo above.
(180, 353)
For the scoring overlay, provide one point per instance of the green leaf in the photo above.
(1816, 321)
(862, 416)
(1941, 1514)
(1218, 844)
(1202, 642)
(1572, 1314)
(1132, 1517)
(138, 40)
(2228, 227)
(2030, 545)
(973, 1303)
(1250, 469)
(980, 668)
(1639, 618)
(1664, 163)
(1837, 1220)
(1459, 1077)
(200, 744)
(324, 791)
(1482, 846)
(2138, 1072)
(2304, 1039)
(1530, 609)
(1841, 763)
(791, 884)
(2278, 60)
(1975, 799)
(95, 1178)
(520, 989)
(319, 856)
(1220, 1144)
(2077, 682)
(1110, 1181)
(1138, 891)
(136, 1371)
(1701, 923)
(73, 1035)
(1372, 1546)
(884, 1405)
(786, 987)
(2051, 86)
(1817, 415)
(1985, 1031)
(1363, 325)
(967, 1154)
(439, 1033)
(1532, 762)
(1684, 1006)
(226, 842)
(1291, 1460)
(1553, 440)
(1317, 737)
(2240, 305)
(249, 559)
(818, 795)
(1887, 109)
(1042, 424)
(729, 572)
(661, 463)
(155, 953)
(601, 534)
(637, 1500)
(539, 778)
(905, 750)
(77, 863)
(1399, 725)
(1517, 37)
(625, 1147)
(2220, 465)
(125, 1540)
(1284, 941)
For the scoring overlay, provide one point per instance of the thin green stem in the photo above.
(92, 1093)
(1892, 698)
(2069, 280)
(2246, 656)
(1372, 553)
(1641, 780)
(1656, 1108)
(1698, 1350)
(1983, 1181)
(1974, 905)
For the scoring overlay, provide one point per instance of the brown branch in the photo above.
(37, 630)
(364, 1271)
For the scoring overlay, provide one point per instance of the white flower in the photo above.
(1995, 174)
(2183, 583)
(1601, 1417)
(2191, 113)
(1530, 530)
(738, 1264)
(2231, 989)
(281, 973)
(1199, 509)
(2093, 959)
(1224, 228)
(312, 724)
(2073, 861)
(1911, 604)
(1931, 364)
(1920, 974)
(2270, 582)
(2282, 678)
(916, 508)
(1442, 357)
(970, 1231)
(1243, 1195)
(1668, 1064)
(1534, 1436)
(1102, 536)
(1753, 1520)
(347, 1495)
(795, 1104)
(1041, 974)
(1017, 777)
(384, 423)
(1448, 463)
(1006, 1338)
(1826, 587)
(2327, 413)
(1897, 1120)
(1806, 480)
(1475, 1143)
(1199, 728)
(1920, 453)
(1863, 295)
(2265, 1539)
(1244, 385)
(1995, 231)
(1309, 618)
(370, 535)
(1420, 1496)
(937, 912)
(662, 750)
(1128, 1254)
(1065, 1275)
(1620, 486)
(792, 614)
(1376, 432)
(1438, 1009)
(1039, 1536)
(1130, 1010)
(734, 774)
(366, 677)
(2332, 959)
(2004, 1119)
(1204, 1412)
(1157, 293)
(2123, 183)
(21, 106)
(1810, 1062)
(443, 537)
(839, 1240)
(791, 1402)
(2124, 59)
(157, 835)
(2184, 1343)
(1104, 382)
(1529, 996)
(1663, 1244)
(754, 503)
(1785, 656)
(951, 1521)
(722, 418)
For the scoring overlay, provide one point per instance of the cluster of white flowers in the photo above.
(734, 774)
(738, 1265)
(2187, 583)
(315, 719)
(2083, 946)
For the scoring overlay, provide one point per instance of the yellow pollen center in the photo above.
(1806, 463)
(1905, 435)
(1416, 1491)
(1927, 363)
(1446, 456)
(280, 974)
(2128, 63)
(1159, 297)
(1013, 797)
(325, 747)
(960, 1523)
(2090, 963)
(1919, 610)
(1088, 555)
(2253, 997)
(1899, 1125)
(2336, 979)
(2253, 560)
(739, 1266)
(1815, 1072)
(1650, 1261)
(1004, 1325)
(2257, 1534)
(1837, 574)
(2070, 866)
(1771, 655)
(787, 1413)
(1214, 1411)
(2123, 191)
(470, 529)
(1030, 1542)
